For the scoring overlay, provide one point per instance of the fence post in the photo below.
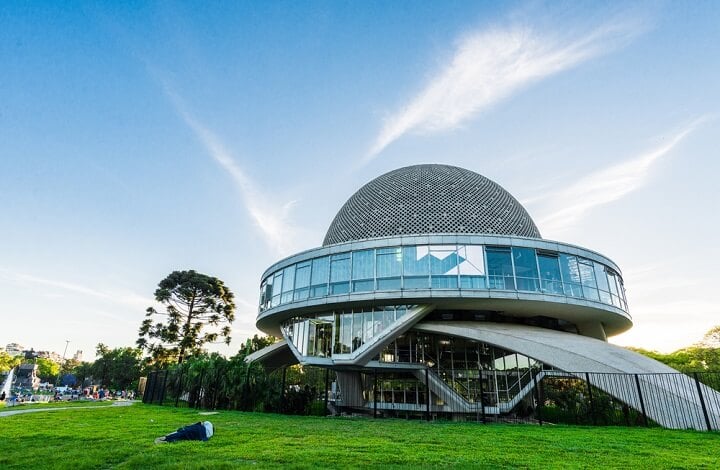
(427, 393)
(374, 393)
(702, 402)
(538, 411)
(482, 396)
(327, 389)
(162, 389)
(592, 407)
(282, 391)
(179, 386)
(642, 402)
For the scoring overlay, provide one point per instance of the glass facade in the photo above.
(341, 332)
(469, 368)
(471, 267)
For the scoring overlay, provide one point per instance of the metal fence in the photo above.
(674, 400)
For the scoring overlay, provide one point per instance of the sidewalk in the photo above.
(33, 410)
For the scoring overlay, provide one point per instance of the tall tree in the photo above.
(198, 310)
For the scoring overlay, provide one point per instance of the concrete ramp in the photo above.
(669, 398)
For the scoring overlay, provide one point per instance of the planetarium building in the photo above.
(436, 279)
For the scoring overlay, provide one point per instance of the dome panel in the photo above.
(430, 199)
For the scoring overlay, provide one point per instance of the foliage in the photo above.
(60, 440)
(117, 368)
(711, 339)
(701, 357)
(82, 372)
(7, 361)
(687, 360)
(48, 370)
(198, 310)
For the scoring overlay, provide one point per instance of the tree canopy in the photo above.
(48, 370)
(7, 361)
(117, 368)
(198, 310)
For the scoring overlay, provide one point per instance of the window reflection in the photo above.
(338, 333)
(526, 270)
(416, 267)
(550, 278)
(500, 271)
(443, 267)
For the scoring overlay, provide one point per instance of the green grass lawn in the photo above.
(123, 437)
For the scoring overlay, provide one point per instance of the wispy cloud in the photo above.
(126, 298)
(492, 64)
(269, 218)
(565, 207)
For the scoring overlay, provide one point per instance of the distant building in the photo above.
(78, 356)
(14, 349)
(434, 279)
(53, 356)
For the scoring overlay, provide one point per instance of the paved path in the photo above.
(34, 410)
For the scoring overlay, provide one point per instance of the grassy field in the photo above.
(122, 437)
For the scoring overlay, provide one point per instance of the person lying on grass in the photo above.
(192, 432)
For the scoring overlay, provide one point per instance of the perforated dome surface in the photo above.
(430, 199)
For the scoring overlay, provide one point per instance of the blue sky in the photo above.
(137, 138)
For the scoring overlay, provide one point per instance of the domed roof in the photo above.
(430, 199)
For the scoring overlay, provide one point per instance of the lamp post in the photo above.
(62, 363)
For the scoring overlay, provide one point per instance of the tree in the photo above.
(47, 370)
(7, 361)
(711, 339)
(117, 368)
(198, 310)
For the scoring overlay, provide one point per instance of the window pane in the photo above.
(526, 269)
(587, 278)
(415, 260)
(500, 273)
(340, 268)
(602, 283)
(443, 266)
(288, 278)
(388, 284)
(550, 274)
(302, 274)
(416, 267)
(340, 274)
(389, 262)
(357, 330)
(570, 275)
(320, 270)
(471, 267)
(363, 264)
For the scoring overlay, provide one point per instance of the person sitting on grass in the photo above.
(192, 432)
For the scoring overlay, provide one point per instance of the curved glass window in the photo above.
(363, 270)
(416, 267)
(320, 276)
(550, 277)
(500, 268)
(302, 280)
(471, 264)
(444, 262)
(441, 267)
(389, 268)
(526, 270)
(339, 333)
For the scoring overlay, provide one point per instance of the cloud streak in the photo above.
(271, 221)
(565, 207)
(491, 65)
(131, 299)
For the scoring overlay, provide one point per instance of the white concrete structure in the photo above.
(439, 278)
